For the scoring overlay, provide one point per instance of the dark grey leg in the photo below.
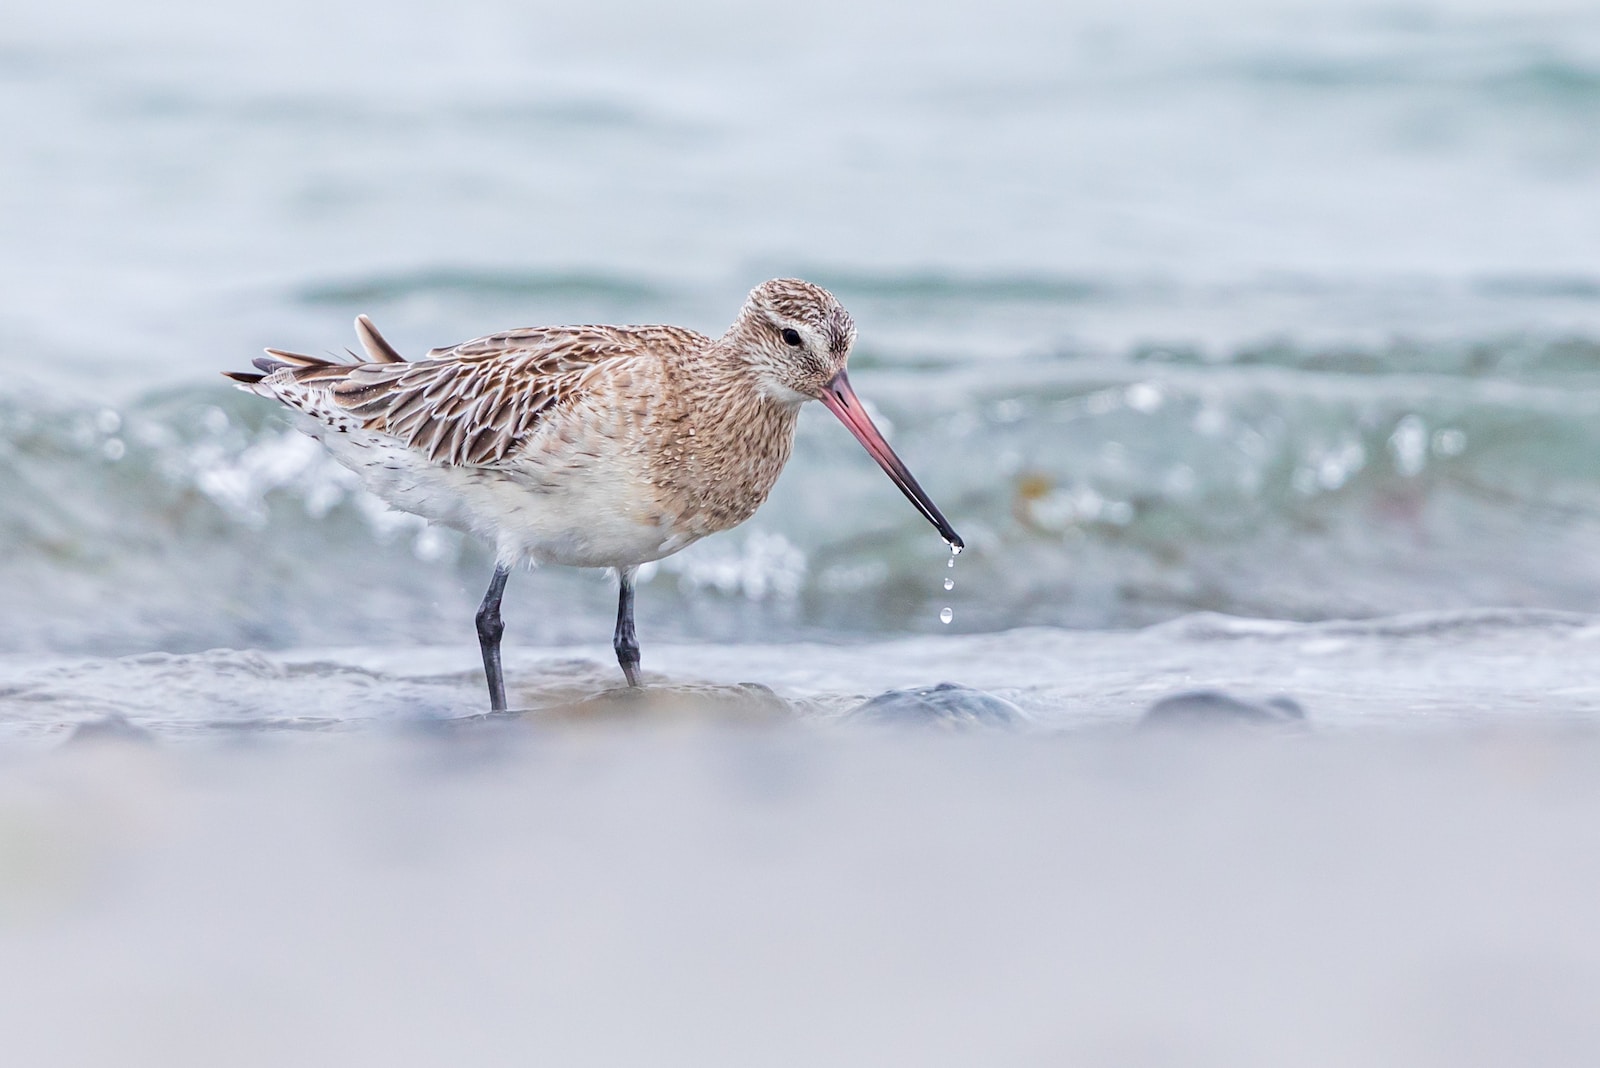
(489, 630)
(625, 643)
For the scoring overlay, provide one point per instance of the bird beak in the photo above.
(843, 402)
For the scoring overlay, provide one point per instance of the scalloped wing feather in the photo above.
(472, 404)
(475, 403)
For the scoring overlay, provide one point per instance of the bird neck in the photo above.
(729, 444)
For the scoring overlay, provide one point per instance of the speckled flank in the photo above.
(597, 446)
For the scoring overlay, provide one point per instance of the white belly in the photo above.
(591, 511)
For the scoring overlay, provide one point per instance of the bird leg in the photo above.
(489, 630)
(625, 642)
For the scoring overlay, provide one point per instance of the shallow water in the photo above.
(1480, 669)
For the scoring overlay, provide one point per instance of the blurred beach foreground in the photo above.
(1253, 347)
(725, 876)
(779, 896)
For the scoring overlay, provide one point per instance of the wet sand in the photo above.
(710, 893)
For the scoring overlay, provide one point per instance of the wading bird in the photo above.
(590, 446)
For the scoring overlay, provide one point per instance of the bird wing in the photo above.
(474, 403)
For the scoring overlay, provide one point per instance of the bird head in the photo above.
(796, 338)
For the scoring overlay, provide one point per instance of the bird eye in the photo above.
(791, 336)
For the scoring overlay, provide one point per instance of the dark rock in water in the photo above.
(1213, 708)
(945, 705)
(113, 728)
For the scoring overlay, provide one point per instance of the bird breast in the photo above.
(715, 459)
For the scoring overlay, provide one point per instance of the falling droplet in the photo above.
(950, 562)
(946, 616)
(949, 583)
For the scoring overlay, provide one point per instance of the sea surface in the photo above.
(1253, 347)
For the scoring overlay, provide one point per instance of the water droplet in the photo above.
(949, 583)
(955, 550)
(950, 562)
(945, 616)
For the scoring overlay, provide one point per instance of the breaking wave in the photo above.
(1276, 482)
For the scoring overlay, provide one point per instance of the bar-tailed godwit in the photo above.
(590, 446)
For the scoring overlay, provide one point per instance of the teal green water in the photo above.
(1291, 312)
